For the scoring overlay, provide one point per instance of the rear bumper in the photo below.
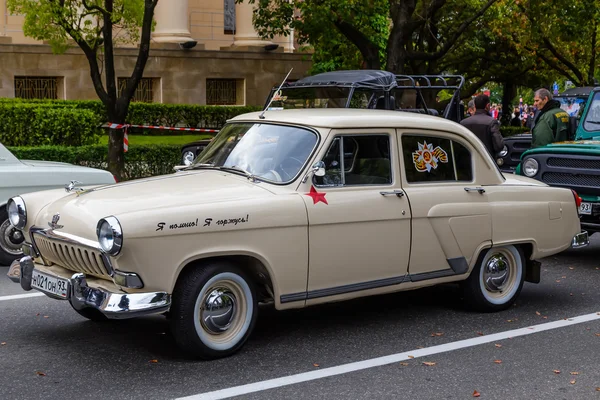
(114, 305)
(580, 240)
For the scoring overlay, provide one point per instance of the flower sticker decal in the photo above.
(428, 158)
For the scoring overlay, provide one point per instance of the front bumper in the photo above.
(580, 240)
(113, 305)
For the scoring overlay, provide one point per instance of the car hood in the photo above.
(590, 147)
(159, 195)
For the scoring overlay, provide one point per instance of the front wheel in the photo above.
(214, 310)
(496, 280)
(11, 240)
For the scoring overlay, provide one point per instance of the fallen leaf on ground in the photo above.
(153, 361)
(480, 333)
(45, 316)
(564, 277)
(411, 356)
(570, 294)
(558, 280)
(509, 320)
(476, 393)
(545, 317)
(437, 334)
(571, 267)
(404, 364)
(498, 345)
(597, 334)
(3, 344)
(429, 363)
(574, 373)
(40, 373)
(538, 313)
(498, 361)
(573, 382)
(37, 315)
(556, 371)
(316, 365)
(420, 347)
(598, 388)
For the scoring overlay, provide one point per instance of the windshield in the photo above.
(274, 153)
(310, 97)
(592, 119)
(572, 105)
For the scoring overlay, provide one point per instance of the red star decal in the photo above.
(316, 196)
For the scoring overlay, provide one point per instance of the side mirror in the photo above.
(318, 168)
(503, 152)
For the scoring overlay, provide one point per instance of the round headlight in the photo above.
(17, 214)
(188, 157)
(500, 161)
(503, 152)
(110, 235)
(530, 167)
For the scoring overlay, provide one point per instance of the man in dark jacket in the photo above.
(486, 128)
(551, 122)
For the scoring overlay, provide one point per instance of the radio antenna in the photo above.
(262, 114)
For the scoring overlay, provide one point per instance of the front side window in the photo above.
(592, 119)
(273, 153)
(435, 159)
(357, 160)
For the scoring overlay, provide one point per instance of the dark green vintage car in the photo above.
(573, 164)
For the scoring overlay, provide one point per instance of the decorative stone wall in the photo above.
(182, 73)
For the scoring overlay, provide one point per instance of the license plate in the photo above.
(585, 208)
(49, 284)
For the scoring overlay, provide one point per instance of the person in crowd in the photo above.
(471, 108)
(551, 123)
(484, 126)
(515, 120)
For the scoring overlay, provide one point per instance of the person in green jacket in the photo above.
(551, 122)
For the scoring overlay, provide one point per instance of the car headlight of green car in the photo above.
(531, 167)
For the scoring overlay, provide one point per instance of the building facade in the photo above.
(202, 52)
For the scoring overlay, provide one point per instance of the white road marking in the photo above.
(21, 296)
(391, 359)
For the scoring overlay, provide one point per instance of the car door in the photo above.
(451, 218)
(359, 218)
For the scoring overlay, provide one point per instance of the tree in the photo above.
(421, 32)
(96, 26)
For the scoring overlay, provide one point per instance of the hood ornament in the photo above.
(54, 223)
(71, 186)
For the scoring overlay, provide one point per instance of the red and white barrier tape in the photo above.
(166, 128)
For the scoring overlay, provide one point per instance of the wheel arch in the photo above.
(256, 269)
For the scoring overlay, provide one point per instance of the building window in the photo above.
(145, 92)
(223, 92)
(36, 87)
(229, 17)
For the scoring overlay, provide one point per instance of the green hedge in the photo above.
(140, 161)
(30, 124)
(507, 131)
(181, 115)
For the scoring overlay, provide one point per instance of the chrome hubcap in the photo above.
(11, 239)
(218, 310)
(496, 273)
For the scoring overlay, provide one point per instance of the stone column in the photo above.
(245, 35)
(171, 22)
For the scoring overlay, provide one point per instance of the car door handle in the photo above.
(478, 189)
(398, 193)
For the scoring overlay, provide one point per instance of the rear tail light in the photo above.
(577, 198)
(117, 181)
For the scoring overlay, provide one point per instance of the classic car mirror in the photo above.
(503, 152)
(318, 168)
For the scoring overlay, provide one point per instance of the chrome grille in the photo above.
(72, 257)
(573, 163)
(557, 178)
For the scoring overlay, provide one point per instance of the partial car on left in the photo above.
(24, 176)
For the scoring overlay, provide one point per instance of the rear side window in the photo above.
(435, 159)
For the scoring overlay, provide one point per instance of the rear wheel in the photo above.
(214, 310)
(496, 280)
(11, 240)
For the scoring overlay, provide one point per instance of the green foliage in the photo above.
(26, 124)
(75, 123)
(507, 131)
(47, 19)
(140, 161)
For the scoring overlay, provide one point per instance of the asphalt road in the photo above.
(47, 351)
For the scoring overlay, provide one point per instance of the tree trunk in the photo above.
(116, 155)
(510, 92)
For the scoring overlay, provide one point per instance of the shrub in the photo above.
(140, 161)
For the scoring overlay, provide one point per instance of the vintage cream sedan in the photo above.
(296, 208)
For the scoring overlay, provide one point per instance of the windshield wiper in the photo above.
(200, 166)
(247, 174)
(592, 122)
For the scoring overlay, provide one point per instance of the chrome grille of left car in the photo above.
(71, 256)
